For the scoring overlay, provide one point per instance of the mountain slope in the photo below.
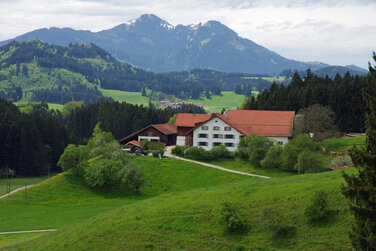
(332, 71)
(153, 44)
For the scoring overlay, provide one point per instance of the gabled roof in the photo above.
(264, 123)
(189, 119)
(134, 142)
(166, 129)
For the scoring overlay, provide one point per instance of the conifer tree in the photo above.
(360, 189)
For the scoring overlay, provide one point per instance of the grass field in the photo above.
(129, 97)
(270, 79)
(55, 106)
(18, 182)
(228, 100)
(341, 144)
(178, 210)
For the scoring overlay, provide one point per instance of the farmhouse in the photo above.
(210, 130)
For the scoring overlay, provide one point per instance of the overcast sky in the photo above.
(331, 31)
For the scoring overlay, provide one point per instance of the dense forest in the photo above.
(34, 139)
(39, 71)
(342, 94)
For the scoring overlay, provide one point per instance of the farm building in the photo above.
(210, 130)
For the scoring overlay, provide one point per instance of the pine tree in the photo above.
(361, 189)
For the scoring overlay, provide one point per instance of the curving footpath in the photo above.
(15, 191)
(168, 154)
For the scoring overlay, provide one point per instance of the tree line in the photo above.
(342, 94)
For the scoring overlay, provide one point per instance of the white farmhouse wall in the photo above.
(280, 140)
(180, 141)
(210, 132)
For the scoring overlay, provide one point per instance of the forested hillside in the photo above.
(38, 71)
(342, 94)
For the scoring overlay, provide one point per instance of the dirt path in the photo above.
(15, 191)
(29, 231)
(168, 154)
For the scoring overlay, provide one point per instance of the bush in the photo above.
(341, 161)
(310, 162)
(317, 210)
(293, 148)
(179, 150)
(103, 173)
(74, 158)
(157, 148)
(229, 217)
(257, 148)
(219, 152)
(273, 220)
(272, 157)
(132, 176)
(145, 144)
(197, 153)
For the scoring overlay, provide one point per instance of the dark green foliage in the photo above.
(219, 152)
(342, 94)
(197, 153)
(229, 217)
(156, 148)
(255, 147)
(145, 144)
(272, 157)
(133, 176)
(179, 150)
(317, 210)
(310, 162)
(30, 142)
(360, 189)
(293, 148)
(318, 119)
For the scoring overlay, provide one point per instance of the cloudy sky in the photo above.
(337, 32)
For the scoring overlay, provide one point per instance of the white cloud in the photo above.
(332, 31)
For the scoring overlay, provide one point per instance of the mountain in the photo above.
(153, 44)
(36, 71)
(332, 71)
(356, 68)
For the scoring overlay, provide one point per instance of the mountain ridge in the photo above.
(152, 43)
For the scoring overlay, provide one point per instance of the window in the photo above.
(229, 144)
(280, 143)
(204, 127)
(217, 136)
(217, 143)
(202, 135)
(202, 143)
(227, 128)
(150, 134)
(215, 128)
(229, 136)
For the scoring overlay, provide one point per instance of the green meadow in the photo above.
(177, 210)
(129, 97)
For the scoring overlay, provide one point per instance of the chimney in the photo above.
(225, 115)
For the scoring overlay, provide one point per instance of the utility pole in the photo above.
(25, 193)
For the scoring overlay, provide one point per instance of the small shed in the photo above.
(132, 146)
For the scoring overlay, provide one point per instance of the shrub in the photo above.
(341, 161)
(179, 150)
(73, 157)
(133, 177)
(145, 144)
(293, 148)
(272, 157)
(309, 162)
(229, 217)
(197, 153)
(157, 148)
(103, 173)
(257, 148)
(317, 210)
(219, 152)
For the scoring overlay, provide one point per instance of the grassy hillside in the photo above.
(18, 182)
(63, 200)
(189, 219)
(228, 101)
(129, 97)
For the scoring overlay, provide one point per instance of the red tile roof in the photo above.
(265, 123)
(166, 128)
(189, 119)
(135, 142)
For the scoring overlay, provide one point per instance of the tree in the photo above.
(318, 119)
(73, 158)
(133, 177)
(256, 148)
(309, 162)
(360, 189)
(272, 157)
